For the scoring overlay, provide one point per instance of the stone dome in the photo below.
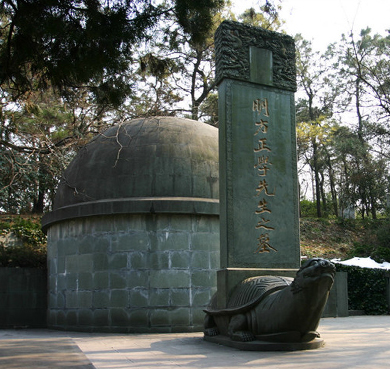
(133, 240)
(146, 165)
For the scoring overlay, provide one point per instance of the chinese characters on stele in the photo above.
(263, 166)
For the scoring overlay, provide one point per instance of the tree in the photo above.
(177, 62)
(177, 72)
(369, 57)
(84, 68)
(313, 147)
(316, 107)
(88, 43)
(37, 140)
(362, 178)
(267, 18)
(365, 95)
(64, 67)
(349, 85)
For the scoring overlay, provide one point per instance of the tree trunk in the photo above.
(359, 115)
(332, 188)
(323, 196)
(39, 203)
(195, 110)
(372, 204)
(316, 179)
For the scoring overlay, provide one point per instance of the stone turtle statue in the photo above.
(274, 308)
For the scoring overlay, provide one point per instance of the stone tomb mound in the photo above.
(133, 239)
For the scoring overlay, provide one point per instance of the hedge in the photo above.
(367, 289)
(31, 252)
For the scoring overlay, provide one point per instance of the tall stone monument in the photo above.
(259, 220)
(259, 217)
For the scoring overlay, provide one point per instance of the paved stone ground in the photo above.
(40, 349)
(353, 342)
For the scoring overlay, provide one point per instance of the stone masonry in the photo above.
(132, 273)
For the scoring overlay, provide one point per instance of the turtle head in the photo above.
(315, 271)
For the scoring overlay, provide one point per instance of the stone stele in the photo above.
(259, 220)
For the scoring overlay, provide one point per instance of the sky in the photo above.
(324, 21)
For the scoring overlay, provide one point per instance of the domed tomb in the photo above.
(145, 165)
(133, 239)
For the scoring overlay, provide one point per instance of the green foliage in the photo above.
(366, 289)
(209, 108)
(195, 16)
(268, 18)
(376, 242)
(68, 43)
(308, 209)
(31, 252)
(69, 69)
(353, 162)
(29, 232)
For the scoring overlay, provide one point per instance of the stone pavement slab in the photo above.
(353, 342)
(40, 349)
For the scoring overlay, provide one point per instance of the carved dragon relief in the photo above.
(232, 43)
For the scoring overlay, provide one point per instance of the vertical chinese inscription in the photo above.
(263, 165)
(258, 179)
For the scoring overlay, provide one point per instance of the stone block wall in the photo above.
(132, 273)
(23, 298)
(337, 304)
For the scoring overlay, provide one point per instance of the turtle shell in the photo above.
(248, 293)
